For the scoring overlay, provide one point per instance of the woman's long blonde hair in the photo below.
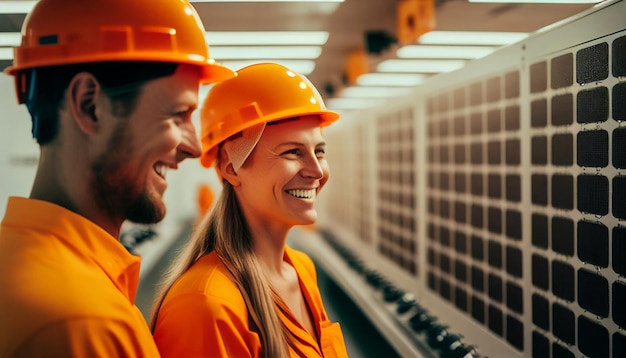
(226, 232)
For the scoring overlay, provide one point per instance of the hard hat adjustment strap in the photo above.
(239, 149)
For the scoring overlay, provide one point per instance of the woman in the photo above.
(238, 290)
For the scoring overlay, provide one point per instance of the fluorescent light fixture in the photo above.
(542, 1)
(24, 7)
(444, 52)
(267, 0)
(231, 38)
(16, 7)
(390, 79)
(373, 92)
(352, 103)
(10, 38)
(299, 38)
(419, 66)
(246, 52)
(6, 53)
(470, 38)
(303, 67)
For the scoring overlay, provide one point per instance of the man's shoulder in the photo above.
(58, 309)
(87, 336)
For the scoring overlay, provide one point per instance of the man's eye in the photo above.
(292, 152)
(182, 117)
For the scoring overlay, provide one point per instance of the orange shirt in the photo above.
(67, 287)
(204, 315)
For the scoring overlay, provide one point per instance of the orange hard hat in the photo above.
(260, 93)
(64, 32)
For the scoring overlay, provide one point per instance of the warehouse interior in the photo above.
(475, 211)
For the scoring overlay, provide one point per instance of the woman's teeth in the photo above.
(304, 194)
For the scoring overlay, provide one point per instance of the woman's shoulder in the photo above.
(208, 277)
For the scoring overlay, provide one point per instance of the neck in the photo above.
(269, 248)
(65, 182)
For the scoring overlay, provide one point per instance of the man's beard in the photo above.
(118, 190)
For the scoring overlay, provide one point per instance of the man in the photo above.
(110, 86)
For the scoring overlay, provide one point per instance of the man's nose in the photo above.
(189, 146)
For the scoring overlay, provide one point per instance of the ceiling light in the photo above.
(24, 7)
(374, 92)
(470, 38)
(542, 1)
(419, 66)
(267, 0)
(247, 52)
(10, 38)
(447, 52)
(231, 38)
(6, 53)
(390, 79)
(352, 103)
(303, 67)
(16, 7)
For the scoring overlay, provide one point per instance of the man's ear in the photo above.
(225, 169)
(82, 93)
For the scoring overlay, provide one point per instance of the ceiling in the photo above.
(347, 23)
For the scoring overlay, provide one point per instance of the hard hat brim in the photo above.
(215, 72)
(207, 159)
(211, 72)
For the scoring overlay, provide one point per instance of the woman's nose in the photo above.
(313, 167)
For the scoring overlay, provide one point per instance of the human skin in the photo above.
(291, 157)
(111, 168)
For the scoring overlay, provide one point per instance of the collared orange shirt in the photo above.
(67, 287)
(204, 315)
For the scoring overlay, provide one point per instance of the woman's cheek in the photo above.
(326, 171)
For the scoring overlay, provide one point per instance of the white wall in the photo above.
(19, 152)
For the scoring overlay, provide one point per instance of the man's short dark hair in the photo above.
(121, 81)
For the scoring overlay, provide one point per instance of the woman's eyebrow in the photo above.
(298, 144)
(289, 144)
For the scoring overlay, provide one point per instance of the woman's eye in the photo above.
(319, 152)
